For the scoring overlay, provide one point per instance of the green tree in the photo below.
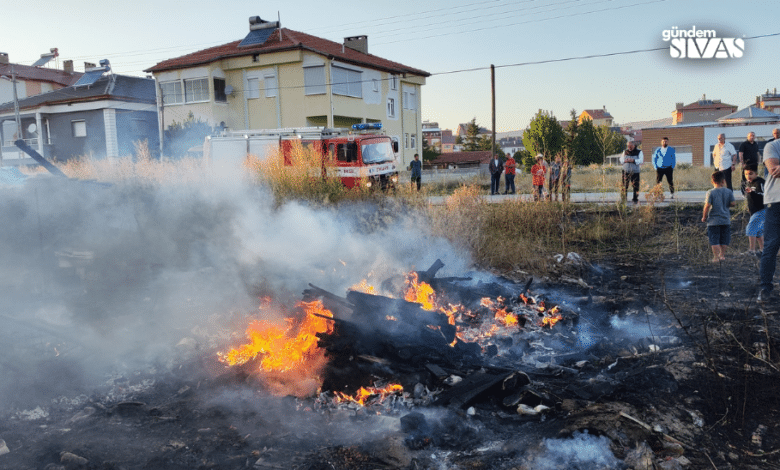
(472, 140)
(544, 135)
(571, 134)
(609, 141)
(429, 152)
(486, 142)
(181, 136)
(585, 144)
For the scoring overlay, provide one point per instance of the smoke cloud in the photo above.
(98, 277)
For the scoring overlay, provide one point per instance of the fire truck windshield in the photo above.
(377, 151)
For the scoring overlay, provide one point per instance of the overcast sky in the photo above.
(456, 41)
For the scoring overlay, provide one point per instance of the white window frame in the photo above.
(406, 140)
(79, 128)
(391, 107)
(410, 99)
(346, 82)
(252, 88)
(414, 141)
(196, 90)
(393, 82)
(374, 84)
(174, 97)
(314, 80)
(271, 85)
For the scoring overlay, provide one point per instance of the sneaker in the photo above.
(764, 295)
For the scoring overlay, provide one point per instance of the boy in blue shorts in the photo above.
(754, 194)
(718, 217)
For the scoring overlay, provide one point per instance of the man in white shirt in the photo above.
(724, 157)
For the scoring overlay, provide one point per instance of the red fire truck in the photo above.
(358, 156)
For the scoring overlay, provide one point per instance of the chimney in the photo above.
(67, 66)
(679, 105)
(357, 43)
(3, 57)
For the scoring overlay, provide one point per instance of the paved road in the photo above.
(696, 197)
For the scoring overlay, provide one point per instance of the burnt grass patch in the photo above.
(710, 396)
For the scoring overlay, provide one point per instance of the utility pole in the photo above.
(493, 91)
(16, 106)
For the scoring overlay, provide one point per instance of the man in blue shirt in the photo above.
(416, 167)
(664, 161)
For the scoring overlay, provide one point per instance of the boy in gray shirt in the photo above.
(718, 216)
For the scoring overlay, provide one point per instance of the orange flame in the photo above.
(552, 319)
(419, 292)
(364, 394)
(364, 287)
(283, 349)
(506, 318)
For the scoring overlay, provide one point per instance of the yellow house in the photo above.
(279, 78)
(600, 117)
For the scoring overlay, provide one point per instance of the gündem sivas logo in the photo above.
(696, 43)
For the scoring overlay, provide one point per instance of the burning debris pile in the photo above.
(451, 336)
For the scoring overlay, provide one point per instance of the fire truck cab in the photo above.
(357, 156)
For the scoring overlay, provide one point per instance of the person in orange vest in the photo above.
(537, 172)
(510, 165)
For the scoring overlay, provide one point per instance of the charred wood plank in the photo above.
(465, 392)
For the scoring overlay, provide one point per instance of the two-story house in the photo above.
(34, 79)
(703, 110)
(279, 78)
(600, 117)
(101, 115)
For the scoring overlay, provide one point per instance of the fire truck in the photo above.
(358, 156)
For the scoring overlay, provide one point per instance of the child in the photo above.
(555, 176)
(754, 193)
(717, 215)
(538, 171)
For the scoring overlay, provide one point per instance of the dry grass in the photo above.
(513, 235)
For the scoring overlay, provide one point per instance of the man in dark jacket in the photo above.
(416, 167)
(496, 167)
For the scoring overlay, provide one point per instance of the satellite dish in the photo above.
(229, 90)
(32, 128)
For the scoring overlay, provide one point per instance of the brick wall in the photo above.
(693, 136)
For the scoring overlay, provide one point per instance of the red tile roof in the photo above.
(40, 74)
(597, 113)
(290, 40)
(479, 156)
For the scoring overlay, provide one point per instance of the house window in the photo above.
(391, 107)
(196, 90)
(314, 80)
(393, 82)
(219, 90)
(410, 99)
(375, 84)
(271, 86)
(252, 88)
(79, 128)
(171, 92)
(406, 140)
(414, 141)
(347, 82)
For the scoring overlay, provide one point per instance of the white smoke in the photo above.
(580, 452)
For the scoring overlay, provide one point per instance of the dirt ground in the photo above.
(709, 400)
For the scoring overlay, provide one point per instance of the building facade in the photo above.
(279, 78)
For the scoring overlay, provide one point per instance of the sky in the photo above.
(553, 55)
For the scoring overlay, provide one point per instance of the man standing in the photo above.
(724, 157)
(664, 161)
(771, 220)
(496, 168)
(748, 156)
(416, 167)
(631, 159)
(510, 166)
